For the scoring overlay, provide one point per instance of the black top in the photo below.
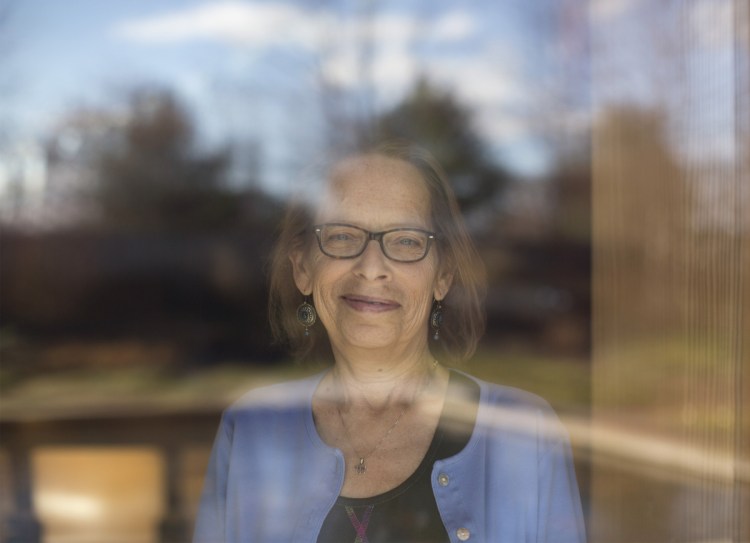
(407, 513)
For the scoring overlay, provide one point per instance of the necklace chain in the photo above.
(361, 467)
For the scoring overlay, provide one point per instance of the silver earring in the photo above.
(306, 315)
(436, 319)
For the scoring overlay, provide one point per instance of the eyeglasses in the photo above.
(348, 241)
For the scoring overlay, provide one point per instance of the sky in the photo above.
(252, 69)
(260, 71)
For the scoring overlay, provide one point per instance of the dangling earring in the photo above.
(306, 315)
(436, 319)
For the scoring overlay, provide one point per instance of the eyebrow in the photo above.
(391, 226)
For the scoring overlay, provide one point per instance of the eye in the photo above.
(409, 240)
(339, 236)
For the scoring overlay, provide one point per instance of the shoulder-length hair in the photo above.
(463, 307)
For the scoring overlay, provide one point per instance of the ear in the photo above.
(443, 284)
(301, 271)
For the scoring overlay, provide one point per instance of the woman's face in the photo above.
(370, 301)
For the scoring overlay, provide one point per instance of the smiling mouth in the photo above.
(365, 303)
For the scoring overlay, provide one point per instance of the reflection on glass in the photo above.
(98, 494)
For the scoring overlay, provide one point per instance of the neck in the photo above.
(377, 385)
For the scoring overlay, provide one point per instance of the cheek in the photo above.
(326, 277)
(421, 293)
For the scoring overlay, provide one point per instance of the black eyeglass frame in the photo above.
(377, 236)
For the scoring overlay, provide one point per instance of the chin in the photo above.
(370, 338)
(370, 343)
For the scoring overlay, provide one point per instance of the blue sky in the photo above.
(251, 70)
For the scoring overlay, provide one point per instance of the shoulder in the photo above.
(276, 398)
(512, 397)
(510, 409)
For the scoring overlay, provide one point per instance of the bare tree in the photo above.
(150, 175)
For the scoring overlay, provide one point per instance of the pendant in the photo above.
(360, 468)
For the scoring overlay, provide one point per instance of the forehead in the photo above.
(376, 190)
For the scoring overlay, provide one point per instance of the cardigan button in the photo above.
(463, 534)
(443, 479)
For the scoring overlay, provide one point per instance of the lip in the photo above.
(369, 304)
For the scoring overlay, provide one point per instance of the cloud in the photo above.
(230, 21)
(263, 23)
(604, 11)
(454, 26)
(391, 69)
(486, 79)
(336, 40)
(394, 64)
(479, 80)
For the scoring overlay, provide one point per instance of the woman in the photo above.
(376, 272)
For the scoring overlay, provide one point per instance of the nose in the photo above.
(372, 263)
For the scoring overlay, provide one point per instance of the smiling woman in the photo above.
(388, 444)
(432, 197)
(382, 194)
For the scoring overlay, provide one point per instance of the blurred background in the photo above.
(599, 150)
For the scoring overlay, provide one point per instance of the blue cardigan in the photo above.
(272, 479)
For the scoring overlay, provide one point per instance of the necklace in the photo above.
(360, 468)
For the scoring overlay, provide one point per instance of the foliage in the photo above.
(150, 176)
(438, 121)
